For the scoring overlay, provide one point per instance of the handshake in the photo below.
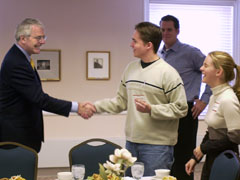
(86, 109)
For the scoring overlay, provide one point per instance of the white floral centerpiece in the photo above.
(116, 167)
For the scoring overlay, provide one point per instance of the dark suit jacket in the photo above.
(22, 100)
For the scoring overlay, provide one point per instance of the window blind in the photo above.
(207, 27)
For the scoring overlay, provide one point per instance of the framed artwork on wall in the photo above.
(47, 64)
(98, 65)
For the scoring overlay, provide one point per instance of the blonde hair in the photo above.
(225, 61)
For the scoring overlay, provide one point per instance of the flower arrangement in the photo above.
(169, 178)
(18, 177)
(116, 167)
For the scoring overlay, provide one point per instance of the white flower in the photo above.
(119, 162)
(123, 154)
(113, 158)
(132, 159)
(113, 167)
(126, 154)
(118, 153)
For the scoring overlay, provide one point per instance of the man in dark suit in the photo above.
(21, 96)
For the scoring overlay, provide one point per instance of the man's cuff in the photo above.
(74, 107)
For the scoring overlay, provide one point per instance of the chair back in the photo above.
(91, 155)
(18, 159)
(226, 166)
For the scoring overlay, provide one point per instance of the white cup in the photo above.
(64, 175)
(160, 173)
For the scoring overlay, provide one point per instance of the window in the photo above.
(209, 26)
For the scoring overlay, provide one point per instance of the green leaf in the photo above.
(90, 178)
(102, 172)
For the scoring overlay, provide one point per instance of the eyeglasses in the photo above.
(39, 38)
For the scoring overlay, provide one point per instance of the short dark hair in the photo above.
(171, 18)
(150, 32)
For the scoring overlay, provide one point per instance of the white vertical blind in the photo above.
(207, 27)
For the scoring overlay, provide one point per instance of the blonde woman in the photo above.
(223, 116)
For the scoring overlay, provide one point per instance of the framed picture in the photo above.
(98, 65)
(47, 64)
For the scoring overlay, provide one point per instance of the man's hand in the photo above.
(198, 108)
(86, 109)
(142, 106)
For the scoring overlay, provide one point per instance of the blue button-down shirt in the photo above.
(187, 60)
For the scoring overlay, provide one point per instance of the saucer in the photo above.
(156, 178)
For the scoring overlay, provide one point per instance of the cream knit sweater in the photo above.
(162, 88)
(223, 116)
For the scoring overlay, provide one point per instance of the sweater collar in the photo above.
(220, 88)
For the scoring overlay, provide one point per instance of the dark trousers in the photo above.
(183, 150)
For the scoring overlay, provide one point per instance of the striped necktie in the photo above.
(32, 63)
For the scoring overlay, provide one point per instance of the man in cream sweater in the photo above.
(152, 93)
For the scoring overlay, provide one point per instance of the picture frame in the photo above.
(48, 64)
(98, 65)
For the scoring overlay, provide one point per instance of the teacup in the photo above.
(64, 176)
(160, 173)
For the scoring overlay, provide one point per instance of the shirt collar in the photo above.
(24, 52)
(175, 47)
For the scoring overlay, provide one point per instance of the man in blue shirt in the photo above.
(187, 60)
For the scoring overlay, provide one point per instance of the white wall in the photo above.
(77, 26)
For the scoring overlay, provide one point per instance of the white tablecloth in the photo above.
(143, 178)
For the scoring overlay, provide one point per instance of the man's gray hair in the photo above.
(25, 27)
